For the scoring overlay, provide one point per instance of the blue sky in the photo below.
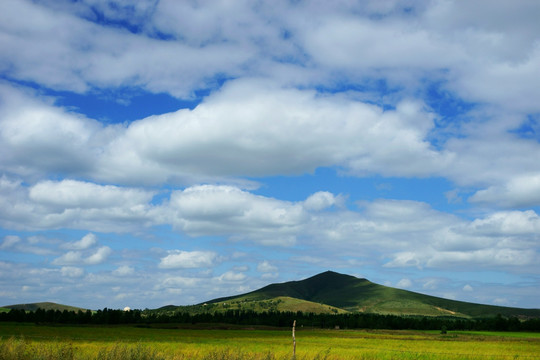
(173, 152)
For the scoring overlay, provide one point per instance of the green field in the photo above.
(28, 341)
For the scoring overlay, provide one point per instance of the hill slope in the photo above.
(44, 306)
(351, 294)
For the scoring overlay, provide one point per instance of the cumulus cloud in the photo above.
(38, 137)
(115, 60)
(250, 127)
(69, 258)
(226, 210)
(486, 258)
(78, 257)
(99, 256)
(178, 259)
(503, 239)
(124, 270)
(409, 233)
(30, 245)
(85, 195)
(74, 204)
(86, 242)
(320, 200)
(266, 267)
(477, 46)
(84, 252)
(507, 170)
(520, 191)
(227, 137)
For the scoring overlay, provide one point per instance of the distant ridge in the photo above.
(335, 292)
(44, 306)
(329, 293)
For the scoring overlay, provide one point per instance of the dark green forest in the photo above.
(271, 318)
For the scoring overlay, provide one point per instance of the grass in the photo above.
(521, 335)
(280, 303)
(29, 342)
(45, 306)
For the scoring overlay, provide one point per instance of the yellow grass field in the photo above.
(28, 341)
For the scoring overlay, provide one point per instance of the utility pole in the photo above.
(294, 340)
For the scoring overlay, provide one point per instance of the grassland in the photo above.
(279, 303)
(44, 306)
(28, 341)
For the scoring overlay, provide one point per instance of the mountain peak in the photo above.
(351, 294)
(332, 275)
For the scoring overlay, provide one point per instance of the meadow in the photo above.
(30, 341)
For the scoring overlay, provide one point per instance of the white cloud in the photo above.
(178, 259)
(520, 191)
(84, 258)
(86, 242)
(430, 284)
(477, 46)
(226, 136)
(320, 200)
(408, 233)
(269, 276)
(72, 272)
(508, 223)
(502, 239)
(180, 281)
(404, 283)
(115, 60)
(69, 258)
(250, 127)
(342, 42)
(501, 301)
(9, 242)
(37, 137)
(226, 210)
(232, 276)
(507, 168)
(266, 267)
(124, 270)
(99, 256)
(490, 258)
(79, 205)
(85, 195)
(468, 288)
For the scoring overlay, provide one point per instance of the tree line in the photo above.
(272, 318)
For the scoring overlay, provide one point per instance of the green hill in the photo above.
(44, 306)
(334, 292)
